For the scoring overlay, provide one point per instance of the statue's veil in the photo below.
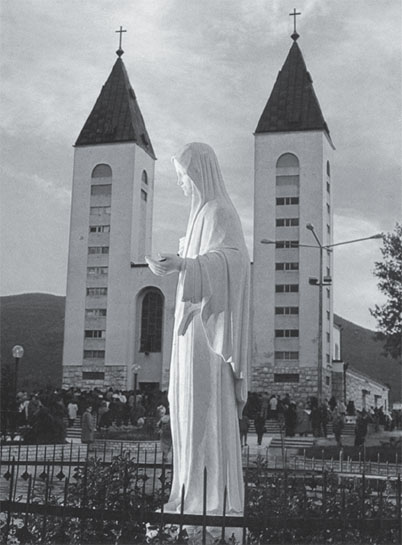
(200, 163)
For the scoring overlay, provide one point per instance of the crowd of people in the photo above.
(312, 418)
(45, 413)
(110, 406)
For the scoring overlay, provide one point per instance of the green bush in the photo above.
(326, 508)
(281, 507)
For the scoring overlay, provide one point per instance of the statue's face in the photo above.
(183, 180)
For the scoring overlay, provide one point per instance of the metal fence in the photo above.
(67, 487)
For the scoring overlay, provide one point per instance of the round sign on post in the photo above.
(17, 351)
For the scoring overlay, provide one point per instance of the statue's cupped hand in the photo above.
(165, 264)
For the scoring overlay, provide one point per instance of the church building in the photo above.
(119, 316)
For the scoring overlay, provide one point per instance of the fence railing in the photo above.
(65, 488)
(296, 460)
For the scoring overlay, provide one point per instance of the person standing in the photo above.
(290, 416)
(361, 428)
(72, 411)
(88, 427)
(273, 406)
(265, 405)
(324, 418)
(302, 420)
(244, 423)
(165, 432)
(338, 423)
(259, 423)
(315, 417)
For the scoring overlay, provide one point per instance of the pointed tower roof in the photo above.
(116, 116)
(293, 105)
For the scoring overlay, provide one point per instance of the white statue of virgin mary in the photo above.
(209, 364)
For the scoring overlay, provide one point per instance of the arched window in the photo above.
(287, 176)
(328, 169)
(151, 321)
(144, 177)
(287, 160)
(102, 171)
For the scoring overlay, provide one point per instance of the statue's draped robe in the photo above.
(208, 373)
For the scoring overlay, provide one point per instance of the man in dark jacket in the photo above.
(361, 428)
(259, 423)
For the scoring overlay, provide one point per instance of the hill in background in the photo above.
(36, 321)
(363, 352)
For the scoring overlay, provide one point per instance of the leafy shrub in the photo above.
(281, 507)
(318, 508)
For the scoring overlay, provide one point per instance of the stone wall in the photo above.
(365, 392)
(262, 380)
(115, 377)
(72, 376)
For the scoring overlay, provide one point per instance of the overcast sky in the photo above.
(202, 70)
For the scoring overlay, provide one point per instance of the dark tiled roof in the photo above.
(293, 105)
(116, 116)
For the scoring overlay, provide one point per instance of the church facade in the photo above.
(119, 316)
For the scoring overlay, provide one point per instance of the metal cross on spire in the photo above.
(294, 14)
(120, 51)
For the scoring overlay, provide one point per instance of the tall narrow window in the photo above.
(143, 239)
(287, 244)
(286, 332)
(287, 266)
(287, 176)
(286, 288)
(151, 321)
(287, 222)
(282, 201)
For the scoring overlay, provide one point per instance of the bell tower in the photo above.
(292, 188)
(111, 227)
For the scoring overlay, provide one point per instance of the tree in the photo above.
(389, 273)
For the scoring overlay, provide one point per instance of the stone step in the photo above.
(292, 442)
(272, 428)
(43, 452)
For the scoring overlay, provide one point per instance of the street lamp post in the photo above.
(136, 369)
(321, 282)
(17, 352)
